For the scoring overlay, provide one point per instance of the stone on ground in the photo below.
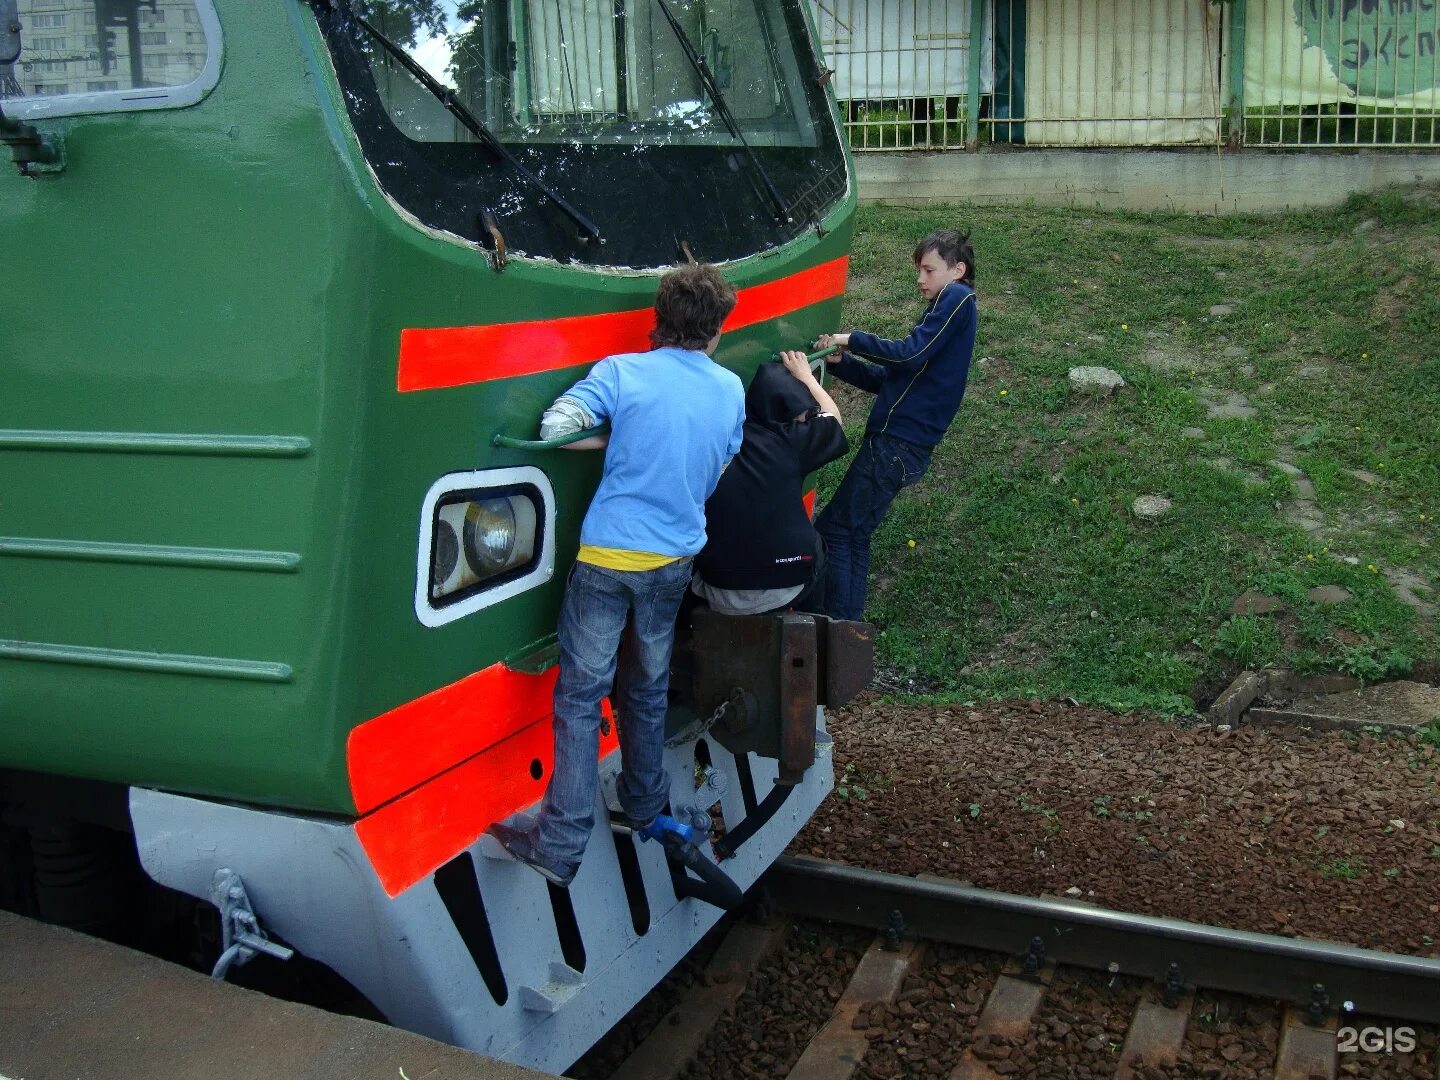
(1330, 594)
(1254, 602)
(1408, 587)
(1095, 380)
(1150, 507)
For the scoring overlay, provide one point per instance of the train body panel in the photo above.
(271, 598)
(214, 484)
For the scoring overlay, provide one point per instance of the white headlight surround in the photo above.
(485, 536)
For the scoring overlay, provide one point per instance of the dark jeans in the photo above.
(616, 632)
(882, 466)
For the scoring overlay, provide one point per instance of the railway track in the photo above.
(941, 979)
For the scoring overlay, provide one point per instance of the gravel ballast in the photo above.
(1330, 835)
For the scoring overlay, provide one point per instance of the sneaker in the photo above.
(524, 847)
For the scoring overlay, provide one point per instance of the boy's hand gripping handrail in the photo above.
(500, 439)
(548, 444)
(817, 358)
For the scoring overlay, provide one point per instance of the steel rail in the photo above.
(1380, 984)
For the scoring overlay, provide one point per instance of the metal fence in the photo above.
(944, 74)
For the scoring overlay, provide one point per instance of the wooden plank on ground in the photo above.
(1009, 1011)
(668, 1049)
(1156, 1033)
(1305, 1051)
(837, 1048)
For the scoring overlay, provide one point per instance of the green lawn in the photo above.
(1031, 576)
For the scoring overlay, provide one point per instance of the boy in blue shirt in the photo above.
(676, 419)
(918, 384)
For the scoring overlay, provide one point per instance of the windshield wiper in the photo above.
(457, 109)
(707, 79)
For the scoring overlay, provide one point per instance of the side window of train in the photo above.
(484, 537)
(93, 56)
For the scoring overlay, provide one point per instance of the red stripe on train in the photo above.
(457, 355)
(432, 774)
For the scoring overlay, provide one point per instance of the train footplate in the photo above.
(683, 853)
(774, 671)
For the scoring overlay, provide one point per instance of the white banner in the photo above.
(884, 49)
(1121, 73)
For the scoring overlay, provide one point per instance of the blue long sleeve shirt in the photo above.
(676, 418)
(918, 382)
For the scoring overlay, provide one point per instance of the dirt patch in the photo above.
(1278, 831)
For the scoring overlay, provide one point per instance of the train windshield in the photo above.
(599, 131)
(619, 71)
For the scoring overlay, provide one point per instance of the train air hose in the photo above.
(715, 886)
(511, 441)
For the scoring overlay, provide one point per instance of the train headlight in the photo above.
(484, 537)
(477, 539)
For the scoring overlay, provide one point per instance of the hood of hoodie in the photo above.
(775, 396)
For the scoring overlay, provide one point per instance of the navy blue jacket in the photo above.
(920, 381)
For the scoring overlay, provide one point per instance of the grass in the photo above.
(1031, 576)
(915, 123)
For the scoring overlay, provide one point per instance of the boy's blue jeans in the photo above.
(616, 631)
(882, 466)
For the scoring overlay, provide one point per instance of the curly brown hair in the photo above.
(691, 305)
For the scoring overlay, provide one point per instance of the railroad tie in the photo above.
(1009, 1011)
(1156, 1034)
(1305, 1051)
(673, 1044)
(837, 1048)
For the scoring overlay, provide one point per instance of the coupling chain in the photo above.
(693, 731)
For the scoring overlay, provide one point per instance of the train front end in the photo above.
(306, 623)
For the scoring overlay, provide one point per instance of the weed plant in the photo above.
(1030, 575)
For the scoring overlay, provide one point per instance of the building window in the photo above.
(98, 60)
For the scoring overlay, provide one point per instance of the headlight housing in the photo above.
(484, 537)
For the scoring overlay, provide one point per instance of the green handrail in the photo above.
(548, 444)
(500, 439)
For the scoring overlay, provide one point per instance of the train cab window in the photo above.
(627, 72)
(567, 122)
(484, 537)
(89, 56)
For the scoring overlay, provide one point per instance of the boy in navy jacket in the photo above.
(918, 384)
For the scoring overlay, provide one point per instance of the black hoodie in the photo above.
(758, 535)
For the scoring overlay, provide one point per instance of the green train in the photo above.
(275, 609)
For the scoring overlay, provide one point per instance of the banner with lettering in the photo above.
(1379, 53)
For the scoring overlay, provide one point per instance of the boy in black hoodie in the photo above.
(761, 551)
(918, 384)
